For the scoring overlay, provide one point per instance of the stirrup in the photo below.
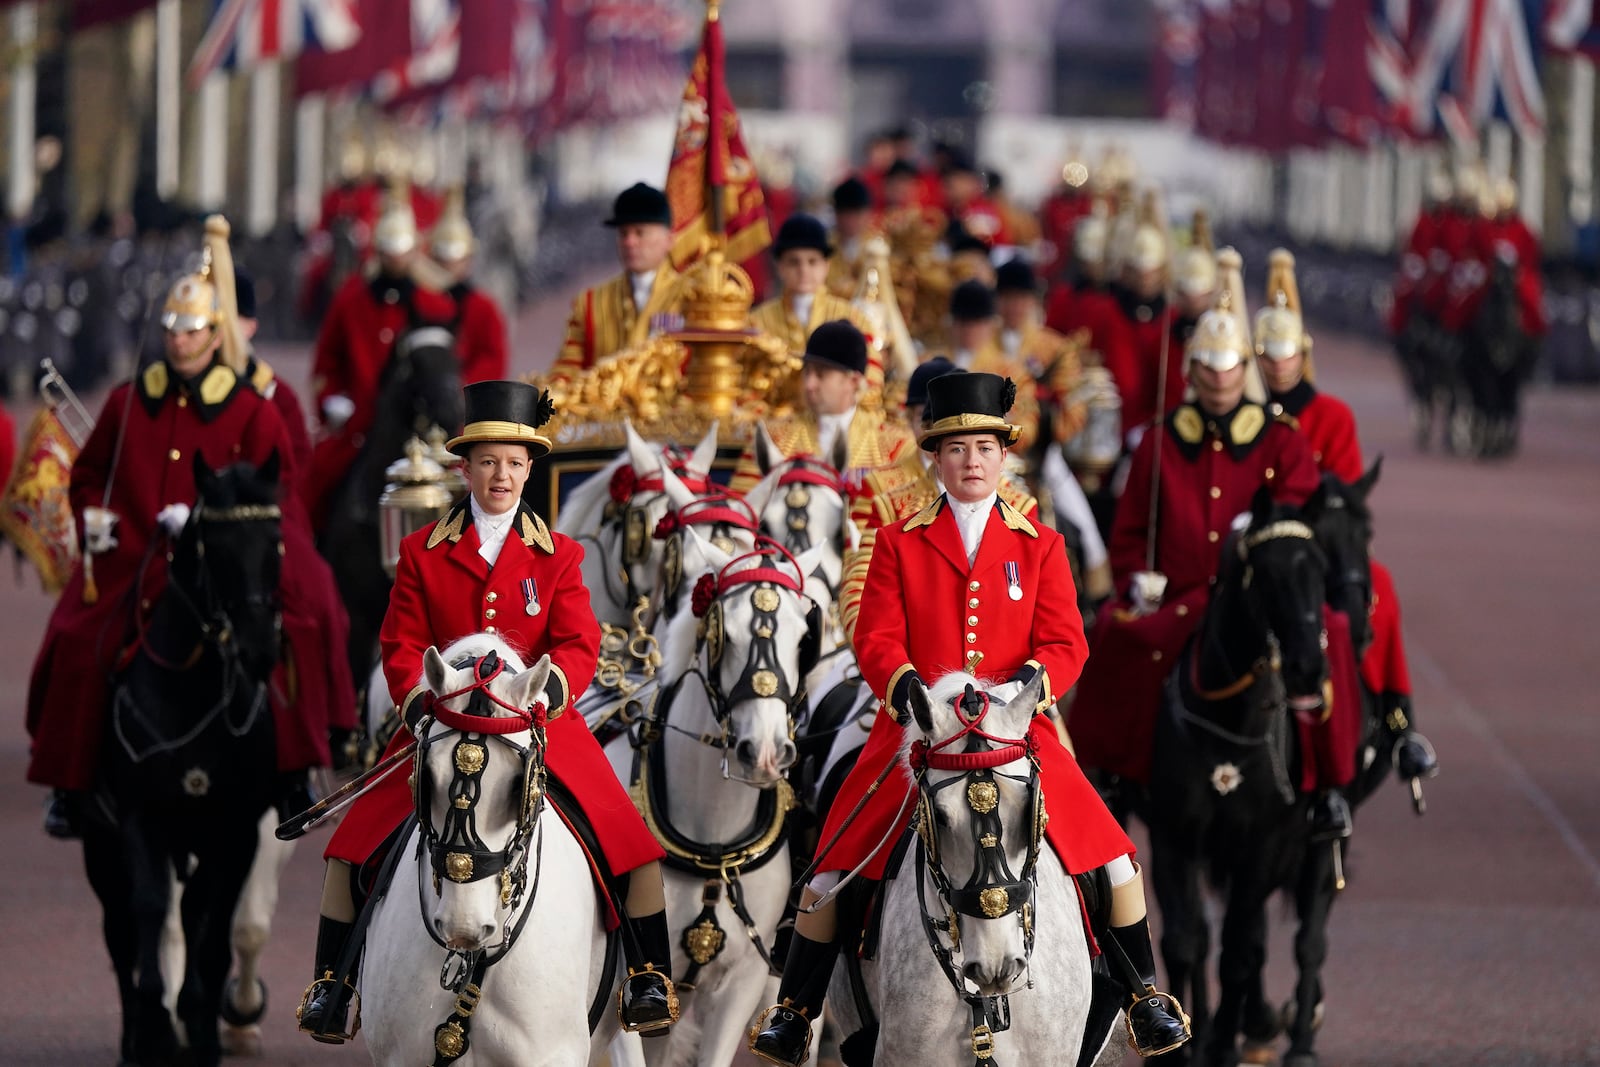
(674, 1007)
(329, 1037)
(760, 1025)
(1175, 1010)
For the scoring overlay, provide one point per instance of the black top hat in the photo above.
(974, 402)
(505, 412)
(244, 292)
(838, 344)
(640, 204)
(801, 231)
(972, 301)
(1016, 276)
(851, 194)
(917, 385)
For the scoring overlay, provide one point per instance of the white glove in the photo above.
(1148, 589)
(336, 410)
(173, 518)
(97, 526)
(1134, 436)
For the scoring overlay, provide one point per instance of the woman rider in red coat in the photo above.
(491, 565)
(1330, 429)
(967, 584)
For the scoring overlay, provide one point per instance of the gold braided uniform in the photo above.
(775, 317)
(1057, 358)
(874, 443)
(604, 319)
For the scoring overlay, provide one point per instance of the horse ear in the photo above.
(1365, 483)
(1261, 507)
(1311, 510)
(640, 454)
(700, 555)
(203, 474)
(436, 673)
(921, 706)
(811, 559)
(705, 453)
(529, 684)
(270, 468)
(768, 454)
(677, 492)
(760, 494)
(1030, 697)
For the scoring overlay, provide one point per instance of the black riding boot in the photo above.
(783, 1033)
(1156, 1021)
(1413, 754)
(1330, 817)
(62, 811)
(647, 1002)
(325, 1007)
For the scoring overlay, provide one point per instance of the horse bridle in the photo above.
(803, 472)
(992, 891)
(628, 512)
(456, 851)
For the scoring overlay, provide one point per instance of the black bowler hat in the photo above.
(973, 402)
(851, 194)
(505, 412)
(244, 293)
(640, 204)
(801, 231)
(1016, 276)
(838, 344)
(972, 301)
(917, 386)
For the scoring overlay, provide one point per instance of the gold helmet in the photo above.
(1221, 339)
(1505, 196)
(1280, 331)
(396, 232)
(452, 238)
(206, 298)
(1089, 237)
(1195, 271)
(1150, 249)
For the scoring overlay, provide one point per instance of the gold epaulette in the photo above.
(535, 534)
(1015, 520)
(926, 516)
(1017, 499)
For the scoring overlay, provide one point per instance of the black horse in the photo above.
(1496, 359)
(1223, 797)
(420, 388)
(190, 762)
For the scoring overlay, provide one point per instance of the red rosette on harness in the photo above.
(718, 509)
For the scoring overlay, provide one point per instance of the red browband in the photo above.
(811, 471)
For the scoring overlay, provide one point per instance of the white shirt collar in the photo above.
(963, 358)
(642, 283)
(492, 531)
(801, 304)
(829, 427)
(971, 520)
(1011, 341)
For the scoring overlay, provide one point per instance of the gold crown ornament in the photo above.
(717, 295)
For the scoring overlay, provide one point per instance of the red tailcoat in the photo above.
(1210, 469)
(8, 444)
(443, 590)
(480, 335)
(1492, 242)
(919, 572)
(287, 404)
(167, 423)
(1330, 428)
(353, 347)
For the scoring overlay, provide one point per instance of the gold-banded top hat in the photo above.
(971, 402)
(452, 238)
(206, 298)
(505, 412)
(1221, 339)
(1280, 330)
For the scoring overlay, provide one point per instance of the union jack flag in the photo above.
(435, 51)
(1570, 26)
(1467, 62)
(243, 33)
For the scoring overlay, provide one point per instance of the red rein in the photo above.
(519, 720)
(934, 757)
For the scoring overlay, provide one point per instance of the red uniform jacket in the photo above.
(168, 421)
(287, 403)
(1330, 428)
(444, 590)
(1147, 323)
(920, 572)
(1095, 309)
(1413, 276)
(357, 336)
(480, 335)
(1058, 223)
(1210, 469)
(8, 444)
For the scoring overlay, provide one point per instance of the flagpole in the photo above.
(168, 31)
(715, 163)
(23, 180)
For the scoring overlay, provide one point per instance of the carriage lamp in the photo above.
(418, 493)
(455, 477)
(1096, 448)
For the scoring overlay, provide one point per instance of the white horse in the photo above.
(801, 503)
(958, 935)
(614, 513)
(715, 773)
(539, 921)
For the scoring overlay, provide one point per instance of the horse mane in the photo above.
(681, 638)
(580, 511)
(475, 646)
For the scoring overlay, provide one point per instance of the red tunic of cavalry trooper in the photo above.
(368, 314)
(966, 585)
(530, 592)
(479, 324)
(196, 401)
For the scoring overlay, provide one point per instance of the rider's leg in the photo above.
(1155, 1018)
(785, 1034)
(647, 1001)
(62, 814)
(325, 1008)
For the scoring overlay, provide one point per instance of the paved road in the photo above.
(1469, 937)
